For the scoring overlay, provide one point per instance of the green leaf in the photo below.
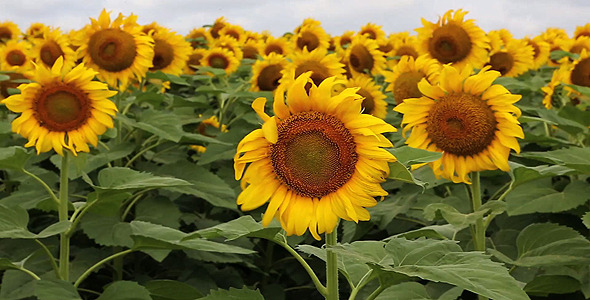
(410, 156)
(398, 171)
(14, 157)
(444, 261)
(241, 227)
(573, 157)
(6, 264)
(166, 77)
(547, 244)
(118, 178)
(152, 236)
(102, 222)
(171, 290)
(125, 290)
(552, 284)
(523, 174)
(54, 289)
(405, 291)
(559, 54)
(158, 210)
(539, 197)
(452, 215)
(14, 221)
(586, 219)
(86, 163)
(160, 123)
(234, 294)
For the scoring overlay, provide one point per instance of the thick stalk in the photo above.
(64, 238)
(479, 237)
(331, 266)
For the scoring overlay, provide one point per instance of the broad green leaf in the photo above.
(546, 244)
(398, 171)
(234, 294)
(522, 174)
(125, 290)
(6, 264)
(559, 54)
(241, 227)
(586, 219)
(539, 197)
(405, 291)
(86, 163)
(14, 221)
(102, 222)
(166, 77)
(444, 261)
(152, 236)
(118, 178)
(566, 124)
(552, 284)
(171, 290)
(158, 210)
(410, 156)
(14, 157)
(54, 289)
(573, 157)
(163, 124)
(452, 215)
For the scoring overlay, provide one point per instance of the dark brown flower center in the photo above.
(307, 39)
(314, 155)
(406, 86)
(112, 49)
(345, 40)
(368, 104)
(502, 62)
(194, 60)
(163, 55)
(406, 50)
(536, 49)
(385, 48)
(361, 59)
(62, 107)
(319, 71)
(370, 33)
(5, 34)
(273, 48)
(461, 124)
(449, 43)
(250, 52)
(218, 61)
(581, 73)
(269, 77)
(50, 52)
(16, 58)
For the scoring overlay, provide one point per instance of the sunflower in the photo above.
(234, 31)
(321, 64)
(171, 51)
(194, 60)
(540, 51)
(217, 26)
(363, 56)
(472, 122)
(250, 49)
(386, 46)
(582, 31)
(372, 31)
(8, 31)
(576, 73)
(515, 58)
(266, 73)
(52, 45)
(36, 31)
(220, 58)
(199, 37)
(576, 45)
(554, 37)
(230, 44)
(453, 40)
(311, 37)
(117, 50)
(317, 160)
(404, 45)
(280, 46)
(342, 41)
(62, 109)
(405, 76)
(374, 100)
(16, 56)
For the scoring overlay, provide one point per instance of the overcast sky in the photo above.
(278, 16)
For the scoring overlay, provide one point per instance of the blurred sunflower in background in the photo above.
(472, 122)
(363, 56)
(404, 78)
(171, 51)
(35, 31)
(16, 56)
(280, 46)
(316, 161)
(194, 60)
(576, 72)
(311, 37)
(220, 58)
(52, 45)
(373, 99)
(513, 59)
(372, 31)
(8, 31)
(199, 37)
(266, 72)
(540, 51)
(321, 64)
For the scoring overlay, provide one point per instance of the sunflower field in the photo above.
(446, 163)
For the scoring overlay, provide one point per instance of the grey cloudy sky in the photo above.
(280, 16)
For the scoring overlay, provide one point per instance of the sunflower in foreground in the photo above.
(472, 122)
(454, 40)
(317, 160)
(62, 109)
(117, 50)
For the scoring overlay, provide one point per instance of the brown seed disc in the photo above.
(268, 79)
(250, 52)
(16, 58)
(61, 107)
(368, 104)
(163, 55)
(112, 49)
(449, 43)
(581, 73)
(218, 61)
(314, 155)
(361, 59)
(406, 50)
(50, 52)
(309, 40)
(320, 72)
(194, 60)
(273, 48)
(461, 124)
(5, 34)
(501, 62)
(406, 86)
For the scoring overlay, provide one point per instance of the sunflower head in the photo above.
(472, 122)
(576, 72)
(220, 58)
(266, 73)
(515, 58)
(194, 60)
(364, 57)
(62, 108)
(318, 159)
(372, 31)
(171, 52)
(52, 45)
(280, 46)
(199, 37)
(36, 31)
(373, 99)
(404, 78)
(16, 56)
(311, 37)
(321, 65)
(8, 31)
(583, 30)
(454, 40)
(217, 26)
(540, 51)
(234, 31)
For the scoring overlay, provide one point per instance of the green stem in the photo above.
(98, 264)
(64, 238)
(479, 236)
(31, 273)
(140, 153)
(316, 281)
(366, 279)
(376, 293)
(75, 219)
(50, 256)
(45, 186)
(331, 266)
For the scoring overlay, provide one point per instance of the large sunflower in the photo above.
(513, 59)
(118, 50)
(62, 109)
(266, 73)
(453, 40)
(404, 79)
(363, 56)
(8, 31)
(576, 73)
(472, 122)
(52, 45)
(373, 99)
(319, 62)
(16, 56)
(220, 58)
(317, 160)
(171, 51)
